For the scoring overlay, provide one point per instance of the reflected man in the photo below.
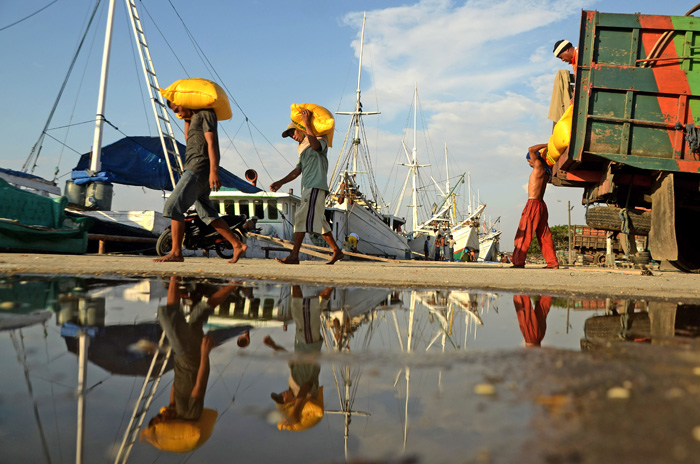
(533, 322)
(303, 376)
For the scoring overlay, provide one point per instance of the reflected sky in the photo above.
(295, 372)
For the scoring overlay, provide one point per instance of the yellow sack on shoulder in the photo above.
(199, 94)
(311, 413)
(560, 138)
(321, 118)
(181, 436)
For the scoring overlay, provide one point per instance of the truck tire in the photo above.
(599, 259)
(164, 243)
(608, 218)
(643, 257)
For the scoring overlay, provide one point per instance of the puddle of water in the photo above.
(375, 372)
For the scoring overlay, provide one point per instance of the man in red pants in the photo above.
(534, 218)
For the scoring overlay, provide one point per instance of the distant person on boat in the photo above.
(533, 221)
(532, 322)
(353, 239)
(313, 168)
(348, 191)
(251, 225)
(304, 371)
(451, 242)
(201, 176)
(426, 247)
(439, 242)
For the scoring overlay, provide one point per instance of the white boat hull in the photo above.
(376, 238)
(489, 248)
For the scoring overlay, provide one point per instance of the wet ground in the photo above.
(394, 374)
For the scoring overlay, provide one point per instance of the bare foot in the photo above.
(237, 253)
(336, 256)
(169, 258)
(288, 260)
(269, 342)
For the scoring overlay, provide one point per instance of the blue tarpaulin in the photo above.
(140, 161)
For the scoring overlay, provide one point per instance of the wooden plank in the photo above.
(289, 245)
(305, 249)
(119, 238)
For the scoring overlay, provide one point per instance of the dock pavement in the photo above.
(566, 281)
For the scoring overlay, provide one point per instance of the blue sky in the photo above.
(484, 72)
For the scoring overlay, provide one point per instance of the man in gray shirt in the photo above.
(201, 176)
(313, 168)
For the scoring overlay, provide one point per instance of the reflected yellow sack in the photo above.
(198, 94)
(560, 138)
(321, 118)
(181, 436)
(311, 413)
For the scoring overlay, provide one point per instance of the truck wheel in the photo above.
(608, 218)
(164, 243)
(643, 257)
(599, 258)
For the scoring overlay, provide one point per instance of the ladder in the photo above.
(165, 129)
(143, 403)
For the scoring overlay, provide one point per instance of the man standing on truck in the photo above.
(534, 218)
(566, 52)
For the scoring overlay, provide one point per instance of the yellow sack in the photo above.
(181, 436)
(560, 138)
(321, 118)
(199, 94)
(311, 413)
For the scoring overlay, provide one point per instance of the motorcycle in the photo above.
(200, 236)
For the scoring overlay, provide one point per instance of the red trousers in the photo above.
(534, 222)
(533, 323)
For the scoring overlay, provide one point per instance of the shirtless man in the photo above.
(534, 218)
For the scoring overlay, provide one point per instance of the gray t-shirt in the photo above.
(197, 154)
(314, 167)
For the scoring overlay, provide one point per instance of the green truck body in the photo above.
(637, 87)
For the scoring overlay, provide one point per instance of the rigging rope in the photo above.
(27, 17)
(165, 40)
(210, 67)
(38, 143)
(136, 71)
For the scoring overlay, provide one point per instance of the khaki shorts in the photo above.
(310, 215)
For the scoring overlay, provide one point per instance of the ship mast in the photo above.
(357, 114)
(412, 166)
(95, 163)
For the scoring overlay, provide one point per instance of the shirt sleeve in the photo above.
(209, 121)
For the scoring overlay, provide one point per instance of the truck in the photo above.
(592, 245)
(634, 147)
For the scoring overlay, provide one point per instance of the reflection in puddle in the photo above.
(356, 372)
